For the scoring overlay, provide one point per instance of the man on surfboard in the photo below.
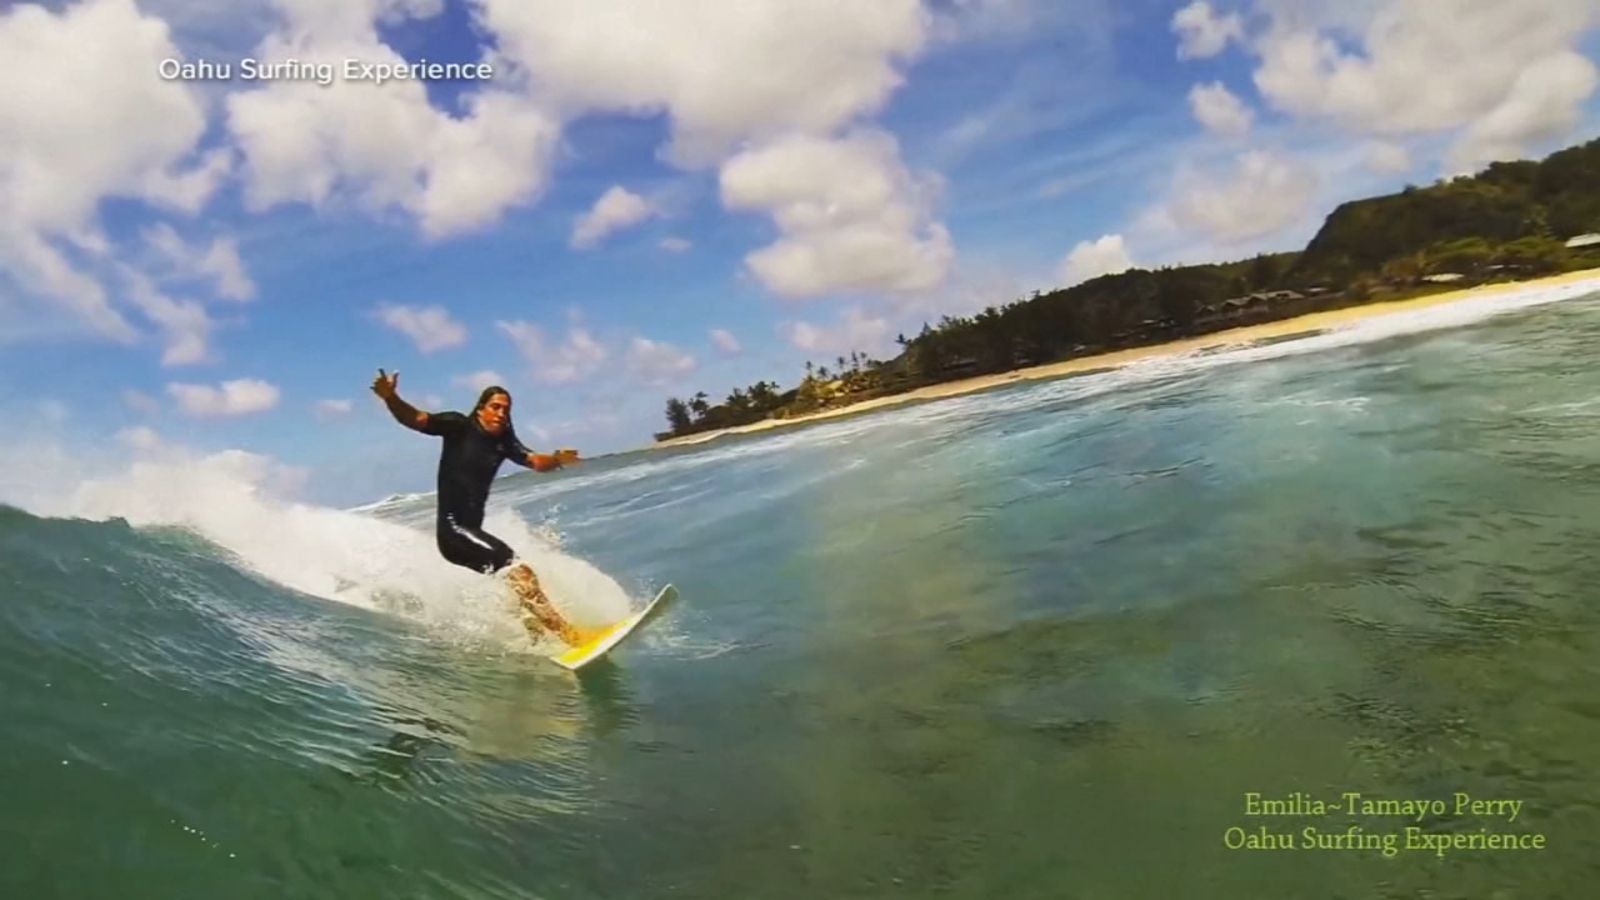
(475, 445)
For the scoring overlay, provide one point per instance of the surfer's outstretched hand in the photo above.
(385, 385)
(567, 456)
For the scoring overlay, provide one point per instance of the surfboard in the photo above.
(603, 641)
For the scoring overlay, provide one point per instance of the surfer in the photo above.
(475, 445)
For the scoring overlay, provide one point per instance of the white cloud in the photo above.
(140, 401)
(206, 29)
(1266, 193)
(219, 263)
(1546, 102)
(239, 397)
(851, 217)
(384, 148)
(617, 209)
(1091, 259)
(80, 125)
(855, 330)
(1220, 110)
(1202, 33)
(1508, 73)
(1388, 158)
(185, 325)
(142, 438)
(822, 66)
(477, 381)
(725, 342)
(576, 358)
(675, 244)
(725, 73)
(535, 432)
(328, 409)
(1075, 85)
(657, 363)
(1003, 20)
(562, 433)
(431, 328)
(353, 18)
(976, 284)
(386, 152)
(1363, 86)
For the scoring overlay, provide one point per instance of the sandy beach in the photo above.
(1215, 340)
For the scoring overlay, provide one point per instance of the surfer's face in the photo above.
(493, 414)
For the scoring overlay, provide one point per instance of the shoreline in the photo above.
(1116, 359)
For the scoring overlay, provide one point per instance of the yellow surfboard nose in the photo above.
(596, 644)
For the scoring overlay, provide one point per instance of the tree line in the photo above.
(1511, 220)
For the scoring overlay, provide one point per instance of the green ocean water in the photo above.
(1042, 642)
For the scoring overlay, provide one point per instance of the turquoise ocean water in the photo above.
(1043, 642)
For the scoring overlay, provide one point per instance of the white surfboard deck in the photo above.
(597, 647)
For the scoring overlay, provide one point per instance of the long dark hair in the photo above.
(488, 394)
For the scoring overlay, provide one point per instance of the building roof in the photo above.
(1584, 240)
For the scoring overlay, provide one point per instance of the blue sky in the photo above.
(806, 177)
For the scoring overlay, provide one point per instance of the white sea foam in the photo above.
(239, 501)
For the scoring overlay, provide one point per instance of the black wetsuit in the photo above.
(468, 463)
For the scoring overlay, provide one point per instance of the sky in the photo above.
(645, 200)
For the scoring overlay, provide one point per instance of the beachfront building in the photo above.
(1584, 240)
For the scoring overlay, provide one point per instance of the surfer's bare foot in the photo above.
(540, 614)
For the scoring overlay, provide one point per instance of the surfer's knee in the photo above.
(472, 551)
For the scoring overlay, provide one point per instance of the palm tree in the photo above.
(764, 395)
(678, 416)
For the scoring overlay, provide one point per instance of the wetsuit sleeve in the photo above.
(514, 451)
(441, 424)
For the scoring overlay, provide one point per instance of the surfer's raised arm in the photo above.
(386, 387)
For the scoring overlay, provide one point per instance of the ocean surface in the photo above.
(1058, 640)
